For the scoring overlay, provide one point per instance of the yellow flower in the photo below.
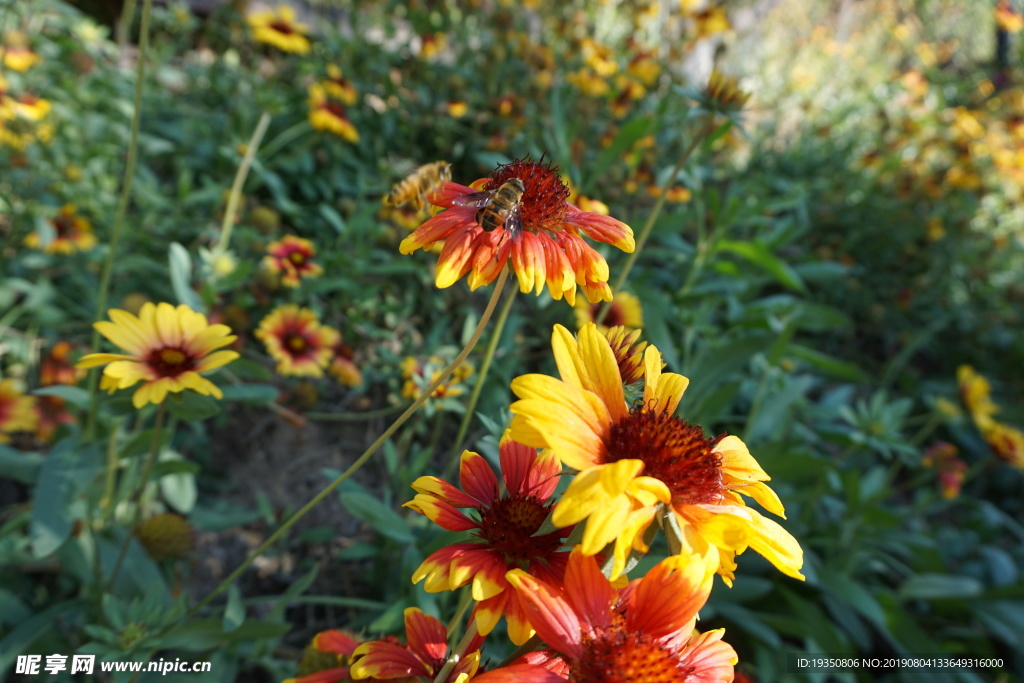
(328, 114)
(19, 58)
(339, 87)
(976, 394)
(17, 411)
(279, 29)
(72, 233)
(637, 462)
(625, 311)
(1007, 442)
(168, 347)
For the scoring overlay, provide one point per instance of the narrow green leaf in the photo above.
(180, 262)
(758, 254)
(250, 393)
(234, 611)
(939, 587)
(73, 395)
(21, 467)
(66, 471)
(382, 518)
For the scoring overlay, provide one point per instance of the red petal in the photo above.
(427, 636)
(550, 615)
(663, 603)
(516, 462)
(603, 229)
(589, 591)
(477, 478)
(438, 228)
(335, 641)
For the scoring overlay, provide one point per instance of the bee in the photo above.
(414, 189)
(498, 207)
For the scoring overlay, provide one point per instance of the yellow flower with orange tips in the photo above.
(17, 411)
(293, 258)
(72, 232)
(625, 311)
(279, 29)
(539, 234)
(636, 462)
(1007, 442)
(298, 342)
(328, 114)
(167, 349)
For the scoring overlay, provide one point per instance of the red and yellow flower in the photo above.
(643, 632)
(280, 29)
(17, 411)
(56, 366)
(339, 87)
(625, 311)
(72, 232)
(424, 654)
(292, 257)
(326, 113)
(976, 394)
(950, 468)
(343, 367)
(16, 53)
(548, 249)
(167, 349)
(505, 527)
(298, 342)
(1007, 442)
(327, 659)
(636, 462)
(419, 376)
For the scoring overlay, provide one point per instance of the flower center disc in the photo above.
(170, 362)
(672, 451)
(296, 343)
(282, 27)
(297, 258)
(544, 202)
(509, 526)
(618, 656)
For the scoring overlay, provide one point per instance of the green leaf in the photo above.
(234, 612)
(141, 443)
(180, 262)
(67, 470)
(251, 393)
(939, 587)
(192, 406)
(382, 518)
(839, 369)
(294, 590)
(759, 255)
(334, 218)
(179, 490)
(202, 635)
(73, 395)
(28, 631)
(21, 467)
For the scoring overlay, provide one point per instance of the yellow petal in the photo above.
(94, 360)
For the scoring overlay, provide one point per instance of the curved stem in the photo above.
(361, 460)
(154, 451)
(456, 656)
(485, 366)
(122, 205)
(645, 232)
(286, 136)
(236, 188)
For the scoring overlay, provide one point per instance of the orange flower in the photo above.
(55, 367)
(343, 368)
(327, 660)
(647, 626)
(505, 527)
(951, 469)
(72, 233)
(539, 233)
(293, 258)
(423, 655)
(298, 342)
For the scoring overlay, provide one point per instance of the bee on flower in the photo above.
(168, 347)
(292, 257)
(295, 338)
(538, 232)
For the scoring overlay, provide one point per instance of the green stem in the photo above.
(286, 136)
(124, 24)
(122, 206)
(645, 232)
(154, 451)
(110, 480)
(353, 417)
(236, 188)
(485, 366)
(465, 597)
(362, 459)
(456, 656)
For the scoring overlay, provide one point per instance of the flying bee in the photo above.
(498, 207)
(425, 180)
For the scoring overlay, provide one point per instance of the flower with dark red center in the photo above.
(168, 346)
(635, 462)
(547, 248)
(339, 87)
(504, 526)
(328, 114)
(425, 652)
(279, 29)
(298, 342)
(624, 311)
(642, 633)
(71, 232)
(293, 258)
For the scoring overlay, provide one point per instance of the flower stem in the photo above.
(236, 188)
(485, 366)
(354, 416)
(362, 459)
(456, 656)
(645, 232)
(122, 206)
(154, 451)
(286, 136)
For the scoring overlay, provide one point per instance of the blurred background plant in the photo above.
(824, 262)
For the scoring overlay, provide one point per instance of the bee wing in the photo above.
(514, 222)
(477, 200)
